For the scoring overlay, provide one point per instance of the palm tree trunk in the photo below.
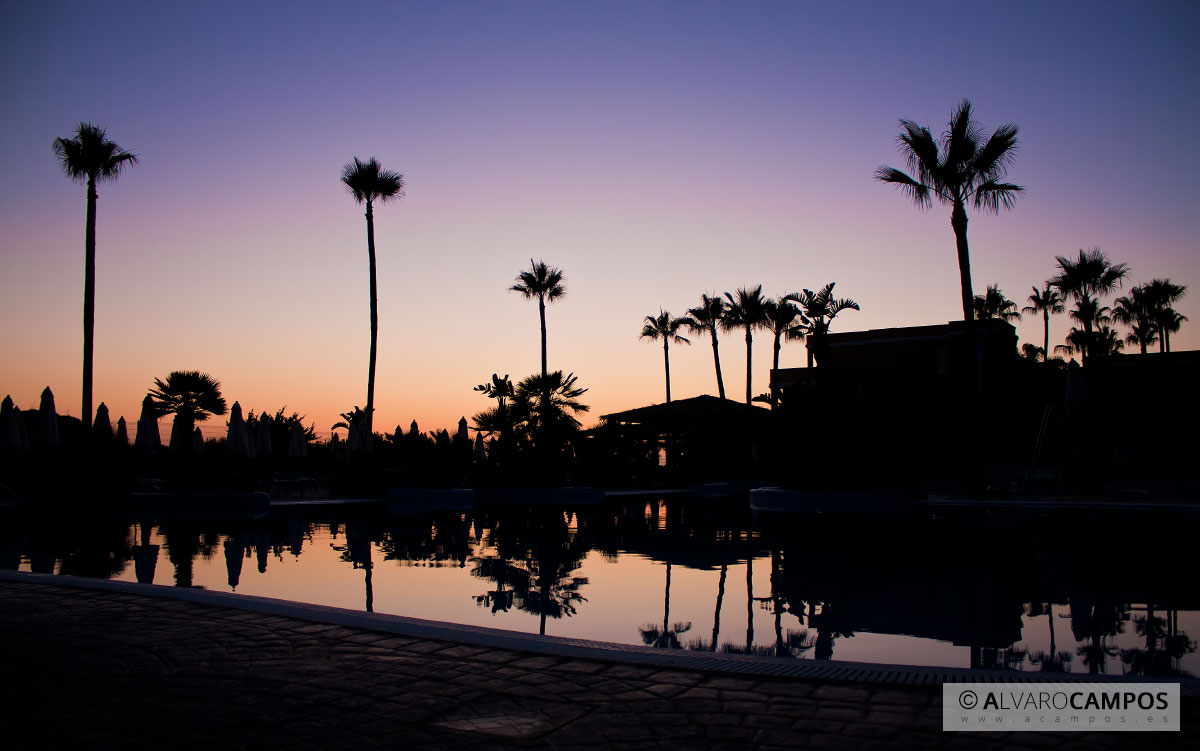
(717, 615)
(958, 221)
(774, 367)
(777, 604)
(749, 602)
(1046, 338)
(749, 350)
(1087, 341)
(974, 462)
(717, 362)
(89, 299)
(667, 600)
(667, 367)
(374, 321)
(370, 587)
(542, 315)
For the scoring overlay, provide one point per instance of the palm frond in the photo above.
(918, 192)
(542, 281)
(188, 393)
(90, 155)
(960, 141)
(992, 196)
(998, 153)
(368, 181)
(919, 150)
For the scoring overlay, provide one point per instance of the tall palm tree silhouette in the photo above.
(995, 305)
(545, 283)
(1086, 279)
(821, 308)
(1161, 294)
(968, 168)
(706, 317)
(90, 158)
(191, 396)
(745, 310)
(666, 328)
(1046, 300)
(785, 321)
(369, 182)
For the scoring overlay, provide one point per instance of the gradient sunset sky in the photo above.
(652, 150)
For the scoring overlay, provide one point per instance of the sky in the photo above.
(652, 150)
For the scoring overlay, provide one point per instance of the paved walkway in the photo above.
(91, 669)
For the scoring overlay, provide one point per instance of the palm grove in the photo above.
(964, 168)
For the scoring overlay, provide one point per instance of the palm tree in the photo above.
(1161, 294)
(785, 321)
(499, 418)
(968, 169)
(746, 311)
(90, 158)
(191, 396)
(545, 283)
(1134, 310)
(995, 305)
(548, 405)
(706, 317)
(666, 328)
(821, 308)
(1169, 322)
(369, 182)
(1046, 300)
(1086, 279)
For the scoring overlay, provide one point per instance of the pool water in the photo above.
(1062, 591)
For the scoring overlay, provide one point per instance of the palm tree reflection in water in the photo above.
(536, 552)
(844, 578)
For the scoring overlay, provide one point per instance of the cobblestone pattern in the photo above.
(104, 670)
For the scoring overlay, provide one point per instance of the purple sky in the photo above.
(654, 151)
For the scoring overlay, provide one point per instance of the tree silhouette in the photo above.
(821, 308)
(706, 317)
(785, 321)
(1086, 279)
(995, 305)
(502, 419)
(967, 169)
(369, 182)
(745, 310)
(191, 396)
(666, 328)
(1046, 300)
(1135, 311)
(90, 158)
(1161, 294)
(545, 283)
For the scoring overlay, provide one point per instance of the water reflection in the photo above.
(1054, 592)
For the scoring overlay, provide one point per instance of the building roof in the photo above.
(701, 408)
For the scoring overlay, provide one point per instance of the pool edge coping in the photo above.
(573, 648)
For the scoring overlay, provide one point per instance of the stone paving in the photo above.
(87, 669)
